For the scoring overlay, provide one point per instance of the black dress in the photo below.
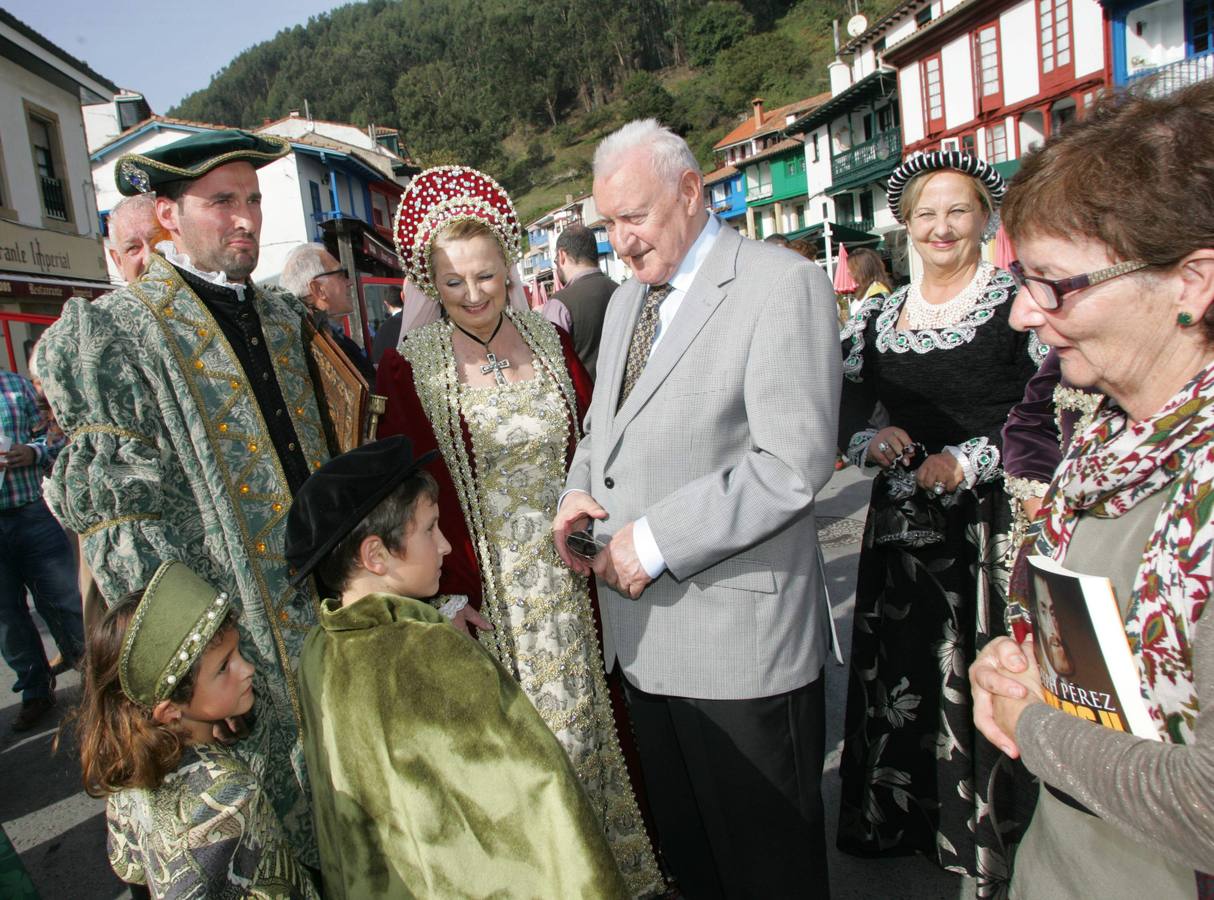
(917, 776)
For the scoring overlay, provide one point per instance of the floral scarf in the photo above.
(1114, 464)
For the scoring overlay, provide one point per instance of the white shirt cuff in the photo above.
(648, 553)
(969, 477)
(564, 494)
(453, 605)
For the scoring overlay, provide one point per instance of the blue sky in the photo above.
(163, 50)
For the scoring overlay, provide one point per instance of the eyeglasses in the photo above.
(1050, 292)
(331, 272)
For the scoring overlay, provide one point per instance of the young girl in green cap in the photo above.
(163, 681)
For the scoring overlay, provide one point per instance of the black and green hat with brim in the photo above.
(170, 630)
(193, 157)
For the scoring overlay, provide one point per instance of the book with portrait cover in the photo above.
(1083, 654)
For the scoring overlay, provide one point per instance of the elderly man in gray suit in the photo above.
(711, 432)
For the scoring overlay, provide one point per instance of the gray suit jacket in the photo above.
(724, 443)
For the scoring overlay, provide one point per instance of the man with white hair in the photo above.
(313, 275)
(134, 232)
(711, 432)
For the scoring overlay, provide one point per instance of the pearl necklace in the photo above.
(922, 315)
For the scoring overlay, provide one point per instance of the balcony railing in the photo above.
(857, 224)
(54, 201)
(1174, 76)
(869, 160)
(759, 192)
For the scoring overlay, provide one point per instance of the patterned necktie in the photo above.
(642, 338)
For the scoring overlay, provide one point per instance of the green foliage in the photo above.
(715, 27)
(525, 88)
(645, 98)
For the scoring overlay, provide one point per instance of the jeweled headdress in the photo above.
(444, 195)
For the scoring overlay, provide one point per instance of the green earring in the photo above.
(1184, 320)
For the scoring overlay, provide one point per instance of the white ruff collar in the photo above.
(168, 250)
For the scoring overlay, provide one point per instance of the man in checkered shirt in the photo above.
(34, 555)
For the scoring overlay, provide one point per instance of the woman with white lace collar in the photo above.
(939, 358)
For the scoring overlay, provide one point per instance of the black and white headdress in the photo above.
(939, 160)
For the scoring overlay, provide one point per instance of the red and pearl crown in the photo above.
(444, 195)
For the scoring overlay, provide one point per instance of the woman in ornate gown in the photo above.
(941, 359)
(501, 394)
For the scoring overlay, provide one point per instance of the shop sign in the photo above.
(37, 251)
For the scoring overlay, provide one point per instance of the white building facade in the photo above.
(50, 237)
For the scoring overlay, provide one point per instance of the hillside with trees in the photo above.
(524, 88)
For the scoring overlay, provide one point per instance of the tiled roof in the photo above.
(773, 120)
(719, 174)
(774, 150)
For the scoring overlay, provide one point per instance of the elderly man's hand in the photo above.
(619, 566)
(18, 456)
(1004, 681)
(575, 514)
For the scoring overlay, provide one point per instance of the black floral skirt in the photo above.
(917, 776)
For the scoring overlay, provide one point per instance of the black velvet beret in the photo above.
(340, 494)
(194, 156)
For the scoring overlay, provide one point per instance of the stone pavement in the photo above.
(60, 832)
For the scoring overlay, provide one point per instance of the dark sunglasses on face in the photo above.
(331, 272)
(1048, 292)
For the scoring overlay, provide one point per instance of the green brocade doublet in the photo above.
(433, 775)
(170, 459)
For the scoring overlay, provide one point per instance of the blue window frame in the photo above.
(1198, 24)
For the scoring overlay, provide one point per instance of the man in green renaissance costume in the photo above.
(193, 421)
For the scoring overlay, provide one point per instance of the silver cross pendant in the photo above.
(495, 366)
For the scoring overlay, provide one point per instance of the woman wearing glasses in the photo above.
(941, 359)
(1115, 233)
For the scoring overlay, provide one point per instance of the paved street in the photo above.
(60, 832)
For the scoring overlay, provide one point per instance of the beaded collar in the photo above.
(922, 315)
(999, 288)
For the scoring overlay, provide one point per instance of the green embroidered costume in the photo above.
(433, 774)
(170, 459)
(206, 833)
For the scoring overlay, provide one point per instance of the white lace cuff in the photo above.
(455, 602)
(979, 460)
(857, 448)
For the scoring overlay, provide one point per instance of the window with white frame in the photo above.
(758, 179)
(987, 40)
(1054, 17)
(933, 92)
(996, 143)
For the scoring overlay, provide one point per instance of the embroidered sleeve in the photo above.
(852, 337)
(235, 843)
(106, 484)
(979, 460)
(857, 448)
(122, 843)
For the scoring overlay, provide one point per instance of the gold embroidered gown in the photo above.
(505, 449)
